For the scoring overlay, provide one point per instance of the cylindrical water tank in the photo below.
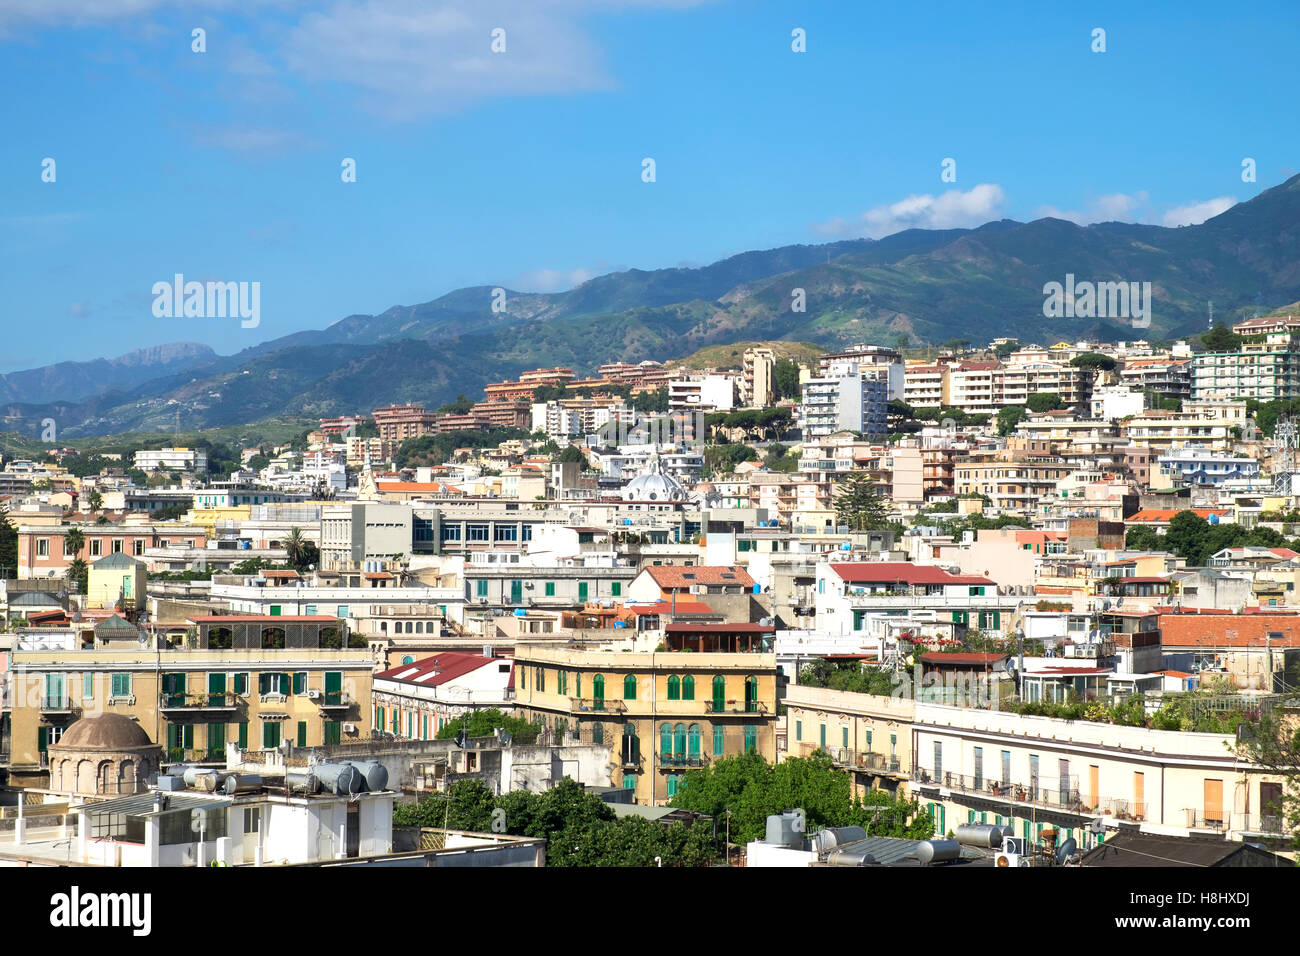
(208, 782)
(303, 782)
(374, 773)
(187, 772)
(832, 837)
(937, 851)
(241, 783)
(980, 834)
(339, 778)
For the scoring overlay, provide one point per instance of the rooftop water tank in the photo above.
(302, 782)
(937, 851)
(374, 773)
(339, 778)
(980, 834)
(241, 783)
(832, 837)
(781, 830)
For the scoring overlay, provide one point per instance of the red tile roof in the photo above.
(439, 669)
(938, 657)
(889, 572)
(1167, 514)
(680, 628)
(264, 619)
(1229, 630)
(683, 576)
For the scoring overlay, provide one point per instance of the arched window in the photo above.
(665, 740)
(597, 733)
(383, 627)
(629, 687)
(693, 741)
(598, 692)
(719, 694)
(273, 638)
(674, 783)
(631, 745)
(220, 638)
(674, 688)
(688, 687)
(419, 627)
(679, 740)
(751, 695)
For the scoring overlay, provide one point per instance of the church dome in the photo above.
(105, 732)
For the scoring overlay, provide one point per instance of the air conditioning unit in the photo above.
(349, 728)
(313, 694)
(1013, 846)
(1005, 859)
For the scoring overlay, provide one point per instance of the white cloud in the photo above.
(553, 280)
(1193, 214)
(1116, 207)
(949, 210)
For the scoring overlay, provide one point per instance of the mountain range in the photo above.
(914, 287)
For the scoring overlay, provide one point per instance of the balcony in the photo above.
(332, 700)
(674, 761)
(1061, 794)
(56, 704)
(865, 760)
(714, 706)
(199, 703)
(588, 705)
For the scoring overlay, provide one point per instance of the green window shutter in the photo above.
(42, 739)
(217, 739)
(334, 732)
(693, 739)
(302, 733)
(270, 734)
(665, 740)
(629, 687)
(798, 730)
(719, 694)
(121, 685)
(598, 690)
(582, 590)
(674, 687)
(719, 741)
(189, 736)
(275, 610)
(241, 683)
(823, 736)
(300, 682)
(88, 685)
(751, 738)
(845, 735)
(616, 589)
(243, 735)
(264, 683)
(679, 739)
(550, 589)
(482, 588)
(688, 687)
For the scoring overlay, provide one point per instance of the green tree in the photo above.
(1142, 538)
(1272, 741)
(482, 723)
(571, 454)
(1220, 339)
(78, 573)
(785, 378)
(95, 501)
(859, 506)
(1094, 360)
(1044, 402)
(1009, 418)
(301, 553)
(73, 541)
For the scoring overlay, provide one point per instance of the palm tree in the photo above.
(95, 501)
(295, 546)
(73, 542)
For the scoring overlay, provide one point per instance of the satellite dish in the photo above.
(1066, 851)
(1096, 826)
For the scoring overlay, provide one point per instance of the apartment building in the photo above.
(926, 386)
(848, 592)
(710, 693)
(172, 459)
(1012, 481)
(712, 393)
(756, 385)
(1266, 371)
(1170, 378)
(868, 362)
(1210, 424)
(42, 554)
(867, 735)
(1035, 773)
(397, 423)
(254, 679)
(416, 699)
(351, 534)
(854, 402)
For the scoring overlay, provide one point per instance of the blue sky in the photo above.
(523, 168)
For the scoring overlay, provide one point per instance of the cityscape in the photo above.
(959, 532)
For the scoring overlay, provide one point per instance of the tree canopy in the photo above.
(1220, 339)
(1094, 360)
(859, 506)
(482, 723)
(752, 789)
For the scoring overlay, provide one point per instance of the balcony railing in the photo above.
(865, 760)
(735, 707)
(227, 700)
(584, 705)
(191, 755)
(56, 704)
(668, 761)
(334, 698)
(1062, 793)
